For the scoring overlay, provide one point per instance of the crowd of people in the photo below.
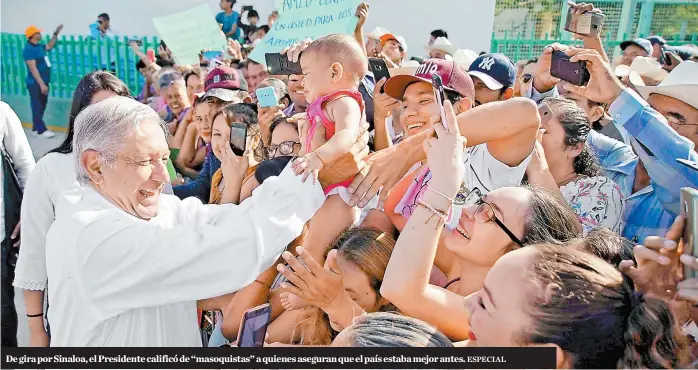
(524, 211)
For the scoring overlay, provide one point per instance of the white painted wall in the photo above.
(468, 22)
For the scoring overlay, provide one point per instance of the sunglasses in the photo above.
(484, 211)
(285, 148)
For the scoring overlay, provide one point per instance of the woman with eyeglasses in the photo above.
(487, 227)
(284, 141)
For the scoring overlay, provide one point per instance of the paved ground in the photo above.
(40, 147)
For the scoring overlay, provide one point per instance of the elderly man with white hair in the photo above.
(127, 264)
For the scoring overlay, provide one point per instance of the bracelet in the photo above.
(450, 200)
(441, 214)
(264, 285)
(37, 315)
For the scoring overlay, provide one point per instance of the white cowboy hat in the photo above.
(464, 58)
(681, 84)
(441, 43)
(408, 67)
(644, 66)
(377, 32)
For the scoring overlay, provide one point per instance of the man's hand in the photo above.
(603, 86)
(383, 170)
(58, 30)
(15, 235)
(317, 285)
(657, 271)
(44, 89)
(362, 14)
(542, 80)
(349, 165)
(294, 51)
(383, 104)
(234, 49)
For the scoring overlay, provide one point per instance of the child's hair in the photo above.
(343, 49)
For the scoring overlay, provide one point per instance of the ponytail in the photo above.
(652, 338)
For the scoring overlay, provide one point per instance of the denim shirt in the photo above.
(652, 210)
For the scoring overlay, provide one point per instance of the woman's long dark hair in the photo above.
(575, 122)
(86, 89)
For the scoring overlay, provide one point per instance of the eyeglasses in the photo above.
(484, 211)
(285, 148)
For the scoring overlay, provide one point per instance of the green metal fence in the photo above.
(520, 48)
(71, 59)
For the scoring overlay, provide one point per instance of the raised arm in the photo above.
(211, 250)
(362, 14)
(53, 40)
(406, 280)
(656, 143)
(509, 128)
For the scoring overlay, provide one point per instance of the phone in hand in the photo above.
(247, 8)
(689, 207)
(440, 96)
(278, 64)
(575, 73)
(254, 325)
(379, 69)
(587, 24)
(151, 55)
(238, 138)
(266, 97)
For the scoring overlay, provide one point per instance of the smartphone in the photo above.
(162, 43)
(689, 207)
(575, 73)
(247, 8)
(253, 329)
(266, 97)
(278, 64)
(379, 69)
(586, 24)
(238, 138)
(440, 96)
(687, 163)
(211, 55)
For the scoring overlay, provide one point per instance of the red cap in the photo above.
(223, 77)
(454, 79)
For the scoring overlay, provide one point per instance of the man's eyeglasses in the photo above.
(484, 211)
(285, 148)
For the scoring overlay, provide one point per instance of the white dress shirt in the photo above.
(17, 146)
(53, 176)
(117, 280)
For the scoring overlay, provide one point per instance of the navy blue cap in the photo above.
(642, 43)
(495, 70)
(655, 39)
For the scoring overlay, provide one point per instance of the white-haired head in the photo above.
(104, 127)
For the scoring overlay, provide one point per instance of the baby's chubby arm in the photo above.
(346, 114)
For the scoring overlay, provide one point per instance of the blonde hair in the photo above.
(343, 49)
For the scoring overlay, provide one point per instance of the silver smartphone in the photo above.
(689, 206)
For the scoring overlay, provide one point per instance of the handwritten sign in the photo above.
(189, 32)
(301, 19)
